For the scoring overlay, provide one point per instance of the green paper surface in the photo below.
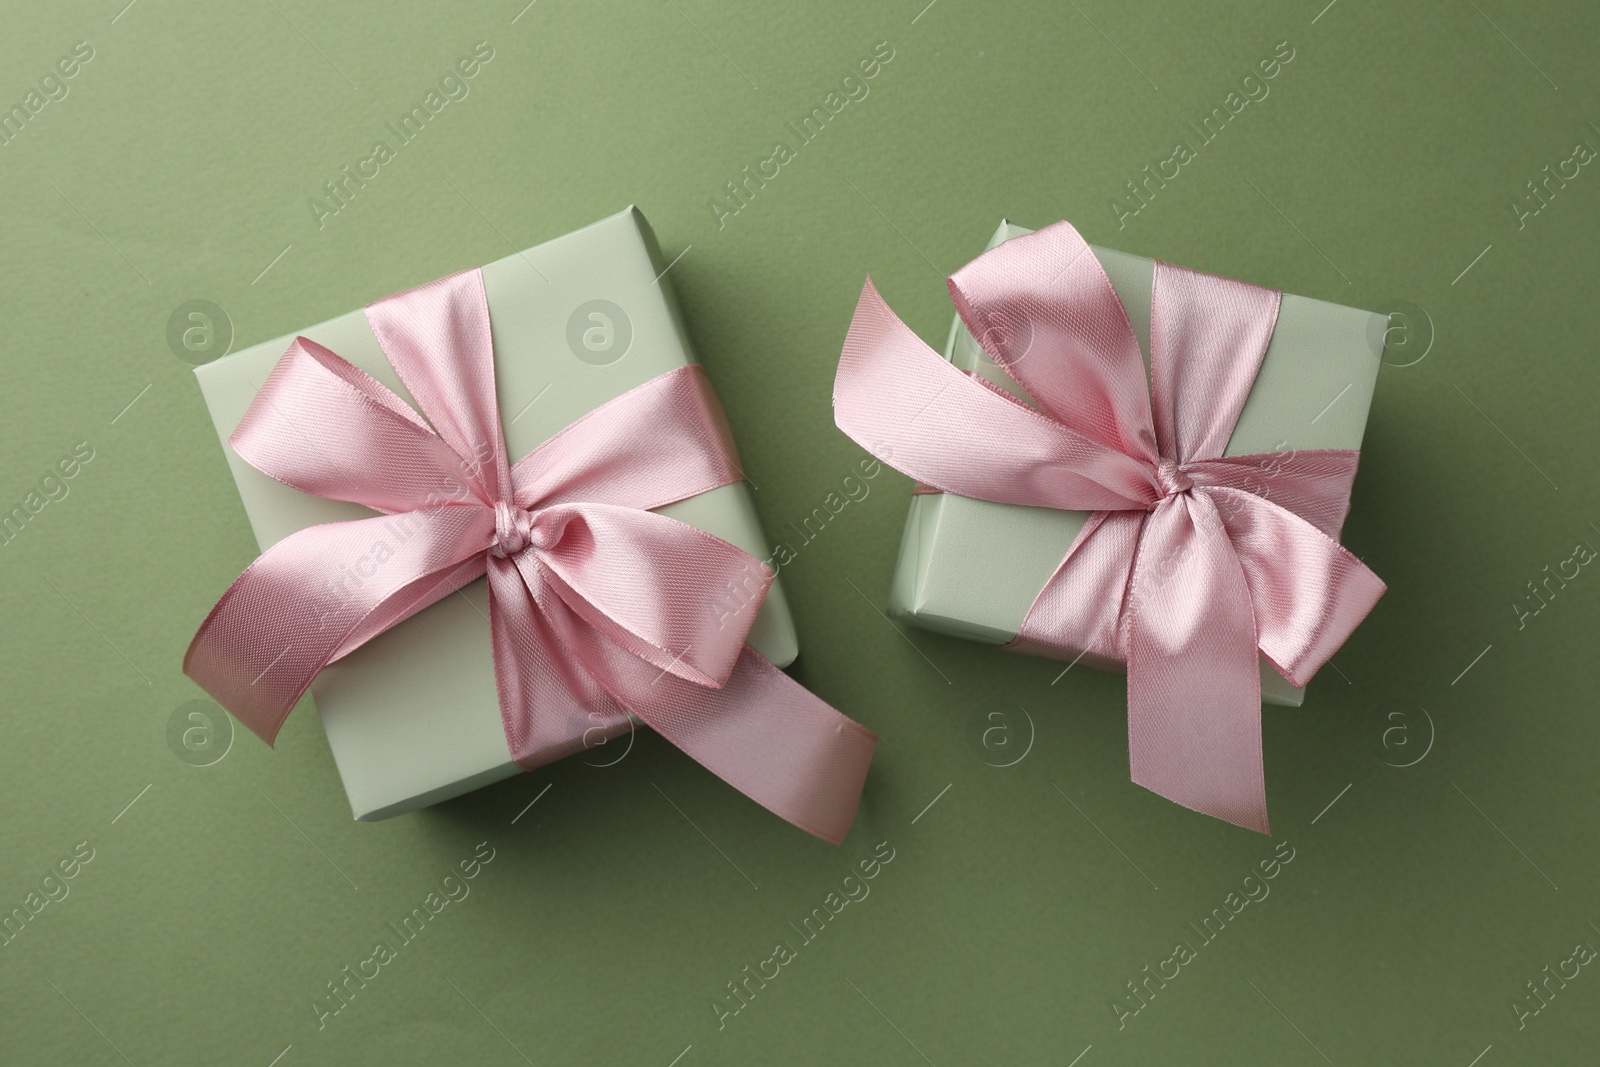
(1438, 796)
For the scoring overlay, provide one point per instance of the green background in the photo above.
(1017, 907)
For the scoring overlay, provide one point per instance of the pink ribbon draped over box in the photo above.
(597, 604)
(1192, 562)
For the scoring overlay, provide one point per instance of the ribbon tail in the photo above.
(770, 738)
(550, 706)
(760, 731)
(1194, 688)
(1077, 615)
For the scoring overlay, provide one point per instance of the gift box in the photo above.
(1135, 466)
(412, 716)
(1313, 391)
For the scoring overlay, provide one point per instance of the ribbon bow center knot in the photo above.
(1171, 480)
(516, 529)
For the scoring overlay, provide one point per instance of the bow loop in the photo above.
(1313, 483)
(1306, 611)
(457, 394)
(1045, 311)
(1208, 336)
(602, 458)
(319, 594)
(905, 404)
(597, 558)
(328, 428)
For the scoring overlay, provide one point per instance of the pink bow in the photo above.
(598, 606)
(1192, 561)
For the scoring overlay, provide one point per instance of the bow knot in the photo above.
(1171, 480)
(515, 529)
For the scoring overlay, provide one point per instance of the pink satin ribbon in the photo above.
(1192, 562)
(598, 606)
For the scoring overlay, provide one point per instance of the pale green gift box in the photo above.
(1312, 391)
(413, 716)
